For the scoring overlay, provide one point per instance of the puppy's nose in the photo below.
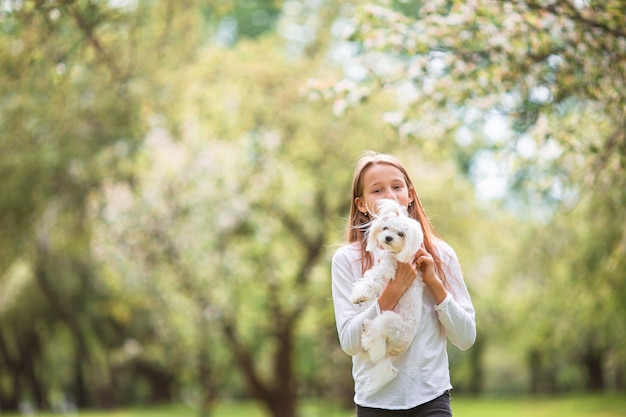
(389, 238)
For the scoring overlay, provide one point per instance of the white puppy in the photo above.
(389, 334)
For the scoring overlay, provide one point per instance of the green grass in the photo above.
(613, 405)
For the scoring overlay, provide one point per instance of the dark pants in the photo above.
(439, 407)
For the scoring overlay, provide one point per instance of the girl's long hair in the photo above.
(358, 222)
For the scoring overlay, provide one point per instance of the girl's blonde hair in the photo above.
(358, 221)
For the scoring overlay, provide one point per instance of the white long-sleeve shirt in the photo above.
(423, 371)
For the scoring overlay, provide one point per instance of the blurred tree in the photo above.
(571, 292)
(238, 226)
(242, 19)
(83, 82)
(76, 78)
(530, 96)
(171, 204)
(53, 125)
(548, 70)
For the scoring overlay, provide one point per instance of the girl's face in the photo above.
(382, 181)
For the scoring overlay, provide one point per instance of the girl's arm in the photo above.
(456, 311)
(349, 317)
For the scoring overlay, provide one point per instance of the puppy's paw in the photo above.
(363, 291)
(377, 350)
(358, 298)
(373, 342)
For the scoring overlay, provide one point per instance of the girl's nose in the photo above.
(391, 195)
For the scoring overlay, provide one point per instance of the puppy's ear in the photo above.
(413, 238)
(372, 232)
(387, 206)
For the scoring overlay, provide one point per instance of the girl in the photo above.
(422, 385)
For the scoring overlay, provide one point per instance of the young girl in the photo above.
(422, 385)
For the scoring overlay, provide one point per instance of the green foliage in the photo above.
(72, 98)
(551, 70)
(530, 95)
(258, 196)
(170, 205)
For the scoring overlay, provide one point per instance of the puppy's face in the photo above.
(390, 233)
(398, 234)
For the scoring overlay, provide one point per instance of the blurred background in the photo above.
(175, 176)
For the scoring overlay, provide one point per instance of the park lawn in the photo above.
(612, 405)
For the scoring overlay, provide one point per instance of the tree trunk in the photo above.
(534, 366)
(11, 400)
(206, 375)
(542, 376)
(283, 400)
(280, 395)
(280, 406)
(69, 318)
(80, 394)
(592, 362)
(30, 355)
(477, 383)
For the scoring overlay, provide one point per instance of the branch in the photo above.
(243, 357)
(88, 31)
(312, 245)
(573, 13)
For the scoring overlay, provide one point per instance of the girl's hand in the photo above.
(405, 275)
(425, 262)
(391, 294)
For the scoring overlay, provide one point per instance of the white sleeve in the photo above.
(456, 311)
(349, 317)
